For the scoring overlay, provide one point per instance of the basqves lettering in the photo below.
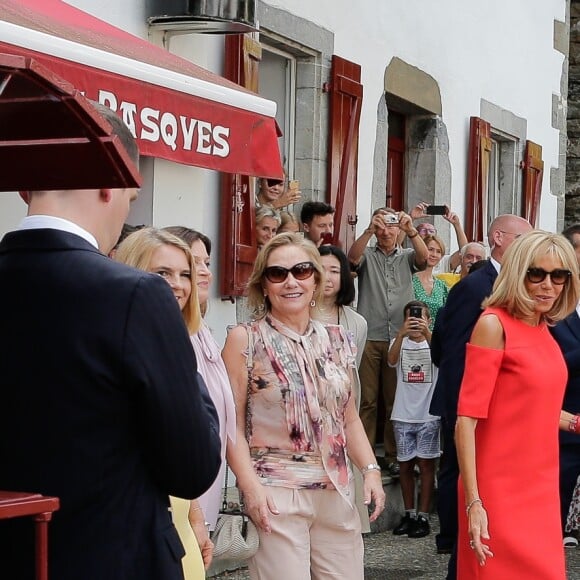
(183, 132)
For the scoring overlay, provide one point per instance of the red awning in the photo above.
(175, 109)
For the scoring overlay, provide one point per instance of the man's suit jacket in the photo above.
(99, 406)
(567, 335)
(453, 331)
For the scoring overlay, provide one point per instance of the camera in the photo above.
(391, 218)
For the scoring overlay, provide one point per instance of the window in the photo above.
(278, 83)
(396, 162)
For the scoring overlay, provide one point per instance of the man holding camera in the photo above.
(385, 285)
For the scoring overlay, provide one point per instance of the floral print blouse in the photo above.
(299, 386)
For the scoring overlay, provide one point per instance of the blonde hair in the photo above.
(259, 303)
(267, 212)
(435, 238)
(509, 290)
(287, 218)
(137, 250)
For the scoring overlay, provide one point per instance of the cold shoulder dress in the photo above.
(516, 395)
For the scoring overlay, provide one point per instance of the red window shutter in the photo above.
(346, 94)
(477, 177)
(237, 209)
(533, 174)
(395, 173)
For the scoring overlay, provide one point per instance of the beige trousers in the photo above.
(317, 536)
(376, 374)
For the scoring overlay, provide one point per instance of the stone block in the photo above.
(394, 509)
(561, 36)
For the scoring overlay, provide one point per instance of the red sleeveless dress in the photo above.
(516, 395)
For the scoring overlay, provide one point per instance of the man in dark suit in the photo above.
(452, 334)
(100, 404)
(567, 335)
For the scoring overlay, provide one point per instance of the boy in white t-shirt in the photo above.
(416, 431)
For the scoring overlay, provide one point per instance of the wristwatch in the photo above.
(370, 467)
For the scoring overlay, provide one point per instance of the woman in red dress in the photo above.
(508, 416)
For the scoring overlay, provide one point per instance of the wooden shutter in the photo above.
(395, 173)
(477, 177)
(533, 176)
(346, 94)
(237, 212)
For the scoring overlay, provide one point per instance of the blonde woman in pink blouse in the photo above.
(203, 512)
(297, 424)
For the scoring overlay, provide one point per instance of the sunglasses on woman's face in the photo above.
(558, 277)
(273, 182)
(301, 271)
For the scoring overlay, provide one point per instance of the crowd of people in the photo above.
(131, 414)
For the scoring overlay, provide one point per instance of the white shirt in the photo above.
(40, 222)
(416, 376)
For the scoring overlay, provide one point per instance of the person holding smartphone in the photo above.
(449, 262)
(317, 219)
(416, 430)
(275, 194)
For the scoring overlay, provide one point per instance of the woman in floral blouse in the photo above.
(297, 423)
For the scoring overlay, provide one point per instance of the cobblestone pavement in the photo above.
(389, 557)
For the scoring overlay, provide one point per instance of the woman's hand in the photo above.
(258, 505)
(289, 197)
(373, 492)
(419, 210)
(477, 530)
(452, 218)
(203, 541)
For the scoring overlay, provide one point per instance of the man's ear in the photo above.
(25, 196)
(106, 195)
(305, 227)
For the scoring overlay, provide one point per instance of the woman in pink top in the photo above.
(298, 424)
(211, 367)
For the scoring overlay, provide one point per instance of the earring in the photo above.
(312, 303)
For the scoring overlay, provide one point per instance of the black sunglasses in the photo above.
(558, 277)
(272, 182)
(301, 271)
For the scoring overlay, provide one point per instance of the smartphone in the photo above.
(437, 210)
(416, 312)
(326, 239)
(294, 184)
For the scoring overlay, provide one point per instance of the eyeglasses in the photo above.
(278, 274)
(273, 182)
(429, 231)
(473, 257)
(558, 277)
(516, 236)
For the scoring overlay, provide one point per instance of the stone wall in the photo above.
(572, 209)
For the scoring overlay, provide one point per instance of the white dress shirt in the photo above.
(40, 222)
